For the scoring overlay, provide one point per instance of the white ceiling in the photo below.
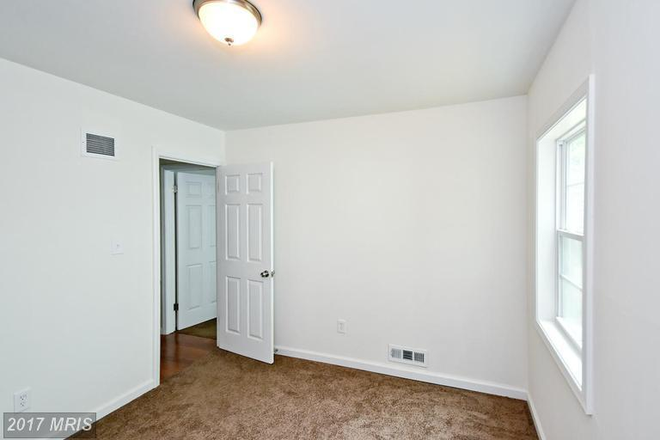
(311, 59)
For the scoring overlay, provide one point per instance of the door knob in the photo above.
(266, 274)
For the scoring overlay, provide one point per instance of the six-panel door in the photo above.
(196, 249)
(245, 260)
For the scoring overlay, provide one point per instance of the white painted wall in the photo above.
(77, 322)
(617, 41)
(567, 66)
(408, 225)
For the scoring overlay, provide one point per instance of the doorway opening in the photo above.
(237, 286)
(188, 297)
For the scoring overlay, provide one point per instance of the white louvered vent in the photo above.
(96, 145)
(408, 355)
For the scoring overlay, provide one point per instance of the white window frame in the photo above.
(574, 360)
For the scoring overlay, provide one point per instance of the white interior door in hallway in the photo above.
(196, 248)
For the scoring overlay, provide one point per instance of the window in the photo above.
(571, 154)
(563, 225)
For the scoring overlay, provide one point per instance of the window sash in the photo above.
(562, 232)
(568, 334)
(558, 291)
(562, 173)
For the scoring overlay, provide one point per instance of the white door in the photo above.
(196, 249)
(245, 260)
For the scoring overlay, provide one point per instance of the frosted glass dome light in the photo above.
(233, 22)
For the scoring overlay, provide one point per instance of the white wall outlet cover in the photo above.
(117, 246)
(22, 400)
(341, 326)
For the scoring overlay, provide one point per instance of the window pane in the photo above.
(575, 158)
(571, 259)
(574, 184)
(571, 309)
(575, 208)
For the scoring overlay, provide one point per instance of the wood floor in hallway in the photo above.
(178, 351)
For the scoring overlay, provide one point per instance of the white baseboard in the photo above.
(125, 398)
(535, 418)
(420, 375)
(375, 367)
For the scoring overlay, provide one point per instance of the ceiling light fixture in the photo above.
(234, 22)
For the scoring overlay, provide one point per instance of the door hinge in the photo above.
(175, 189)
(176, 307)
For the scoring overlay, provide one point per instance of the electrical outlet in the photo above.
(22, 400)
(341, 326)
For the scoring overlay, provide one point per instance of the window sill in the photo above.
(565, 354)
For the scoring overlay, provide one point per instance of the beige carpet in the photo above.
(206, 329)
(225, 396)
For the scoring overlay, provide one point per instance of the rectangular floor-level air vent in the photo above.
(408, 355)
(96, 145)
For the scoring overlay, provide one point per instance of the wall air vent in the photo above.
(96, 145)
(409, 356)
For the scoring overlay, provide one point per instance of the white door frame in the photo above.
(167, 251)
(157, 155)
